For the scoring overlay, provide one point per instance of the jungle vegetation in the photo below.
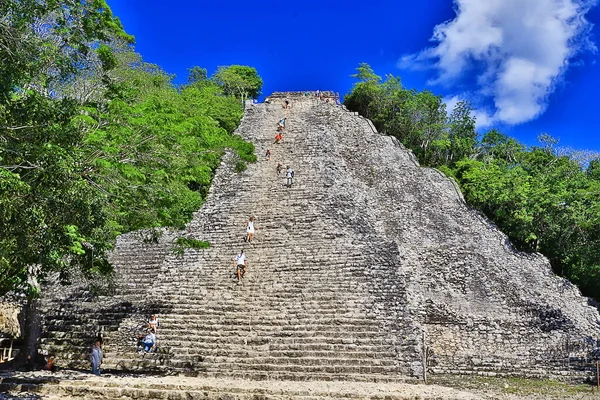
(95, 142)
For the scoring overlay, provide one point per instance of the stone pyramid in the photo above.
(368, 267)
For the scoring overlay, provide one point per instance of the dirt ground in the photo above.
(447, 387)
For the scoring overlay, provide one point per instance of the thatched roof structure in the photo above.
(9, 320)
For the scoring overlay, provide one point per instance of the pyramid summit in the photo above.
(368, 267)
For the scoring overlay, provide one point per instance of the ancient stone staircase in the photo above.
(73, 318)
(367, 262)
(303, 311)
(307, 307)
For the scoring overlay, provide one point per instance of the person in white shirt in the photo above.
(153, 323)
(240, 264)
(289, 174)
(250, 230)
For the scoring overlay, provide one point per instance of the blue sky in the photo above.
(528, 66)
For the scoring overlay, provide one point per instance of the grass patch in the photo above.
(517, 387)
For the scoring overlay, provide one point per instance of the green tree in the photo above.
(462, 135)
(40, 156)
(365, 74)
(197, 75)
(427, 115)
(497, 146)
(154, 147)
(52, 219)
(366, 94)
(240, 81)
(593, 170)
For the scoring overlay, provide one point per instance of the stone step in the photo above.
(176, 388)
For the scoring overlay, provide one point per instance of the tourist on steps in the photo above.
(279, 168)
(281, 124)
(49, 366)
(153, 323)
(149, 341)
(250, 230)
(240, 265)
(96, 358)
(268, 154)
(278, 138)
(289, 174)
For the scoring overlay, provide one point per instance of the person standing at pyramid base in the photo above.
(96, 357)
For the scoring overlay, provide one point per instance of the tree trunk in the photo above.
(33, 329)
(33, 322)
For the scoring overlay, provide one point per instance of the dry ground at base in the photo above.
(270, 389)
(446, 387)
(518, 388)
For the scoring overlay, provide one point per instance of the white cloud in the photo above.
(451, 102)
(519, 49)
(483, 119)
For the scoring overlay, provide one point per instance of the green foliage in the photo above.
(366, 94)
(197, 75)
(51, 218)
(240, 166)
(207, 99)
(95, 142)
(183, 243)
(461, 131)
(239, 80)
(157, 147)
(365, 74)
(418, 119)
(543, 201)
(106, 57)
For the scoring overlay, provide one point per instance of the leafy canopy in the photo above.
(239, 80)
(94, 141)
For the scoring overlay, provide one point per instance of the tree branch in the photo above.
(15, 128)
(20, 166)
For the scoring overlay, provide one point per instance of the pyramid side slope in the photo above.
(483, 305)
